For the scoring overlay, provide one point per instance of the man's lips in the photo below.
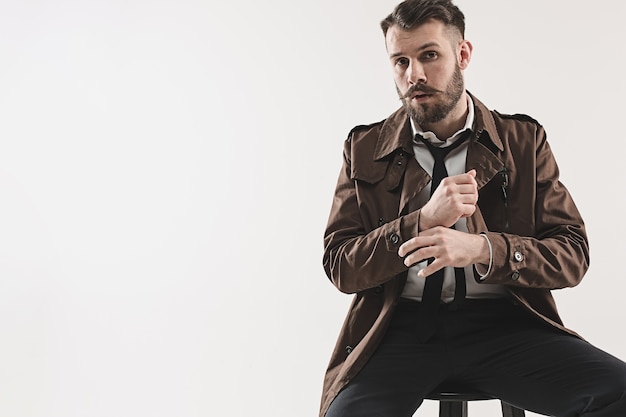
(420, 93)
(420, 97)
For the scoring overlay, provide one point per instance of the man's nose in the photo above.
(416, 74)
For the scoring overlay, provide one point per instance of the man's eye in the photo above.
(403, 62)
(430, 55)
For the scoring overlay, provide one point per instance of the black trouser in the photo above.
(489, 346)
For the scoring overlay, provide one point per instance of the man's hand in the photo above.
(454, 198)
(447, 246)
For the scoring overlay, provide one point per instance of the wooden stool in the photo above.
(454, 404)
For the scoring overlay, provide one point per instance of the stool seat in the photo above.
(459, 396)
(454, 404)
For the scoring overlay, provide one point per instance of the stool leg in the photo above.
(509, 410)
(453, 408)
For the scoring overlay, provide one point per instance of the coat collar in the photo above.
(396, 131)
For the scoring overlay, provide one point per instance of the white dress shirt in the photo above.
(455, 164)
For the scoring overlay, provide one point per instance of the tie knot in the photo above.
(440, 153)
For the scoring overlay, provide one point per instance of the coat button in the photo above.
(394, 238)
(379, 289)
(518, 256)
(515, 276)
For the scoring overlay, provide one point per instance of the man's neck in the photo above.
(452, 123)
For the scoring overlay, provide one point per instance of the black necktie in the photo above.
(431, 296)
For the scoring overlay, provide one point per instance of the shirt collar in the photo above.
(396, 132)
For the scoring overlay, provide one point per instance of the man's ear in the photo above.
(465, 53)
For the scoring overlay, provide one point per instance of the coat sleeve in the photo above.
(556, 253)
(359, 255)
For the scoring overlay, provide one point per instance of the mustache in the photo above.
(421, 88)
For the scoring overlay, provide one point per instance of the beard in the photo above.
(428, 113)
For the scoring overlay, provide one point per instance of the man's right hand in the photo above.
(454, 198)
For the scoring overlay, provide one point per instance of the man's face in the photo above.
(427, 71)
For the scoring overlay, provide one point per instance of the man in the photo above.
(450, 226)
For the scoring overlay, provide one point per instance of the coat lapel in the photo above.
(486, 164)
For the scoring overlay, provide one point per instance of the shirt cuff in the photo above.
(483, 275)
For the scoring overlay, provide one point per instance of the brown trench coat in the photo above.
(538, 236)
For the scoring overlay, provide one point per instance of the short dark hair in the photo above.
(411, 13)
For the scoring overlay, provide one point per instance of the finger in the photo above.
(468, 210)
(415, 243)
(413, 260)
(454, 180)
(461, 179)
(410, 245)
(420, 255)
(406, 248)
(435, 266)
(466, 189)
(467, 199)
(472, 172)
(430, 233)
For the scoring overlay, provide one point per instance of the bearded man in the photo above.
(451, 228)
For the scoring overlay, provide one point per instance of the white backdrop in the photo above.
(166, 171)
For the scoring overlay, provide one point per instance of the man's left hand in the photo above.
(447, 246)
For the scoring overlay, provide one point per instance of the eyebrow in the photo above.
(421, 48)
